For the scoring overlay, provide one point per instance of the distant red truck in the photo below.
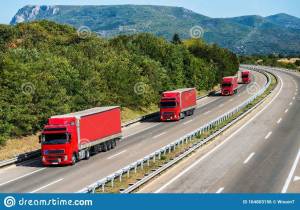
(177, 104)
(246, 76)
(72, 137)
(229, 85)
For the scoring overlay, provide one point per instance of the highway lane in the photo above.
(256, 155)
(32, 177)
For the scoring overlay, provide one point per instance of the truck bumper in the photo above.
(55, 160)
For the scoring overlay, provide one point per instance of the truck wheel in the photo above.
(109, 145)
(182, 115)
(74, 159)
(114, 143)
(104, 147)
(87, 154)
(192, 112)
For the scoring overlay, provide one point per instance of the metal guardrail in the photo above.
(20, 158)
(132, 168)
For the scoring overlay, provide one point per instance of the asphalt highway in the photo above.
(140, 140)
(260, 154)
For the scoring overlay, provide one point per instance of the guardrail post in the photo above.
(103, 185)
(120, 177)
(128, 173)
(112, 182)
(148, 162)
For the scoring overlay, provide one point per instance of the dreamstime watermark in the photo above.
(11, 201)
(197, 32)
(28, 88)
(140, 88)
(85, 142)
(84, 32)
(253, 88)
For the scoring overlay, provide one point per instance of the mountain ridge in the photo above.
(279, 33)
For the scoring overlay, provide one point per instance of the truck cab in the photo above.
(58, 140)
(170, 106)
(246, 77)
(229, 86)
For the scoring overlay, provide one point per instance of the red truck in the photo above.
(246, 76)
(69, 138)
(229, 86)
(177, 104)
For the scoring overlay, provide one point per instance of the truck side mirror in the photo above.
(40, 139)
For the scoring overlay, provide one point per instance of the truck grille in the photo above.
(54, 152)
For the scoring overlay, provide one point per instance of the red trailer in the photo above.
(177, 104)
(246, 76)
(229, 85)
(72, 137)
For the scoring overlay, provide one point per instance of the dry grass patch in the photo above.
(287, 61)
(129, 114)
(18, 146)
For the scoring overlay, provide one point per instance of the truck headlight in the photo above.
(65, 157)
(43, 159)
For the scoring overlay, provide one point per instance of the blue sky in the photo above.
(211, 8)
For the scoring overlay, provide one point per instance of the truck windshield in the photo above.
(167, 104)
(245, 76)
(55, 138)
(226, 85)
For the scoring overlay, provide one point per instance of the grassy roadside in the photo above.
(133, 176)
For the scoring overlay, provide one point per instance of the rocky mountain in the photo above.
(244, 35)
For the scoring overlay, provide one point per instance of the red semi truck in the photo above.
(177, 104)
(72, 137)
(229, 86)
(246, 76)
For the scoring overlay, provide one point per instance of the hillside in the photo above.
(48, 69)
(274, 34)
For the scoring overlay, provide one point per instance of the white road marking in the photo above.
(291, 103)
(249, 157)
(231, 99)
(115, 155)
(221, 144)
(221, 105)
(289, 178)
(206, 113)
(163, 133)
(43, 187)
(141, 130)
(187, 122)
(279, 121)
(23, 176)
(286, 110)
(268, 135)
(220, 190)
(294, 98)
(296, 178)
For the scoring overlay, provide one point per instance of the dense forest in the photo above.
(48, 68)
